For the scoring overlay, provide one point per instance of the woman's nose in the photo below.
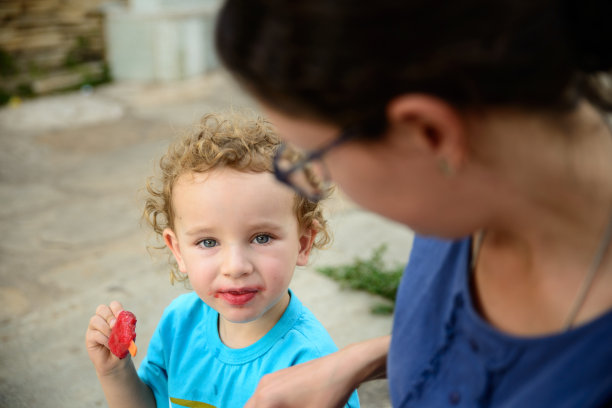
(236, 262)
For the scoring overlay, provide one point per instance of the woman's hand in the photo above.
(96, 338)
(326, 382)
(309, 384)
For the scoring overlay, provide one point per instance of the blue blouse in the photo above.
(443, 354)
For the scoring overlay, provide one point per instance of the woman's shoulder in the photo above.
(430, 258)
(426, 248)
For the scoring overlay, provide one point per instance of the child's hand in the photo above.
(96, 338)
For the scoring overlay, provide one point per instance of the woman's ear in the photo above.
(172, 242)
(430, 124)
(306, 241)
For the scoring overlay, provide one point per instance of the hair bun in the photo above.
(589, 27)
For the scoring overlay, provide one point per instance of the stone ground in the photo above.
(71, 171)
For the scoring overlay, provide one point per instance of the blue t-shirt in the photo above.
(187, 365)
(444, 354)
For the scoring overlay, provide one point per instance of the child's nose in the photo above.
(236, 262)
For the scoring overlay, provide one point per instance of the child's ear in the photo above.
(306, 241)
(172, 242)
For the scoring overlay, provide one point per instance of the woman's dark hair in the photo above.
(342, 61)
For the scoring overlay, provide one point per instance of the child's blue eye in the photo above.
(262, 239)
(208, 243)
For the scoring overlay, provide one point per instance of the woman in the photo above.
(476, 122)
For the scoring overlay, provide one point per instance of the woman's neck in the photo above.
(552, 176)
(240, 335)
(540, 245)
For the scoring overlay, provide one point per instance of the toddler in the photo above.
(236, 235)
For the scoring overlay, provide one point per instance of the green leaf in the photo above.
(369, 275)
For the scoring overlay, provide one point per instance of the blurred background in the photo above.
(55, 45)
(91, 93)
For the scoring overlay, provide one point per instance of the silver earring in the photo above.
(445, 167)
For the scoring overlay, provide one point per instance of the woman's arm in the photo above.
(325, 382)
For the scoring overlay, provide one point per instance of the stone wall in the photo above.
(47, 45)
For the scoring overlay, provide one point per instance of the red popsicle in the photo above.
(123, 334)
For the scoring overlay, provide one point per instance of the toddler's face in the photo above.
(236, 236)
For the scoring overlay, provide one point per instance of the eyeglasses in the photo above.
(305, 172)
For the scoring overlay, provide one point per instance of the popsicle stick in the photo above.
(132, 348)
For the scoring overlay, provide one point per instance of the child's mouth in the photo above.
(238, 297)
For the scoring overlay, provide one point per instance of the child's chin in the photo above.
(237, 318)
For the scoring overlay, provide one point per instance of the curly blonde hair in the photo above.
(241, 141)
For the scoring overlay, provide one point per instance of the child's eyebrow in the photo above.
(198, 230)
(257, 226)
(265, 225)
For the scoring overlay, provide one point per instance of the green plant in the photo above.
(34, 70)
(370, 275)
(7, 64)
(5, 97)
(78, 53)
(24, 89)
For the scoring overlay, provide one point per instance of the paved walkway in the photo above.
(71, 168)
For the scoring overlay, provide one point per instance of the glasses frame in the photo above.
(284, 175)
